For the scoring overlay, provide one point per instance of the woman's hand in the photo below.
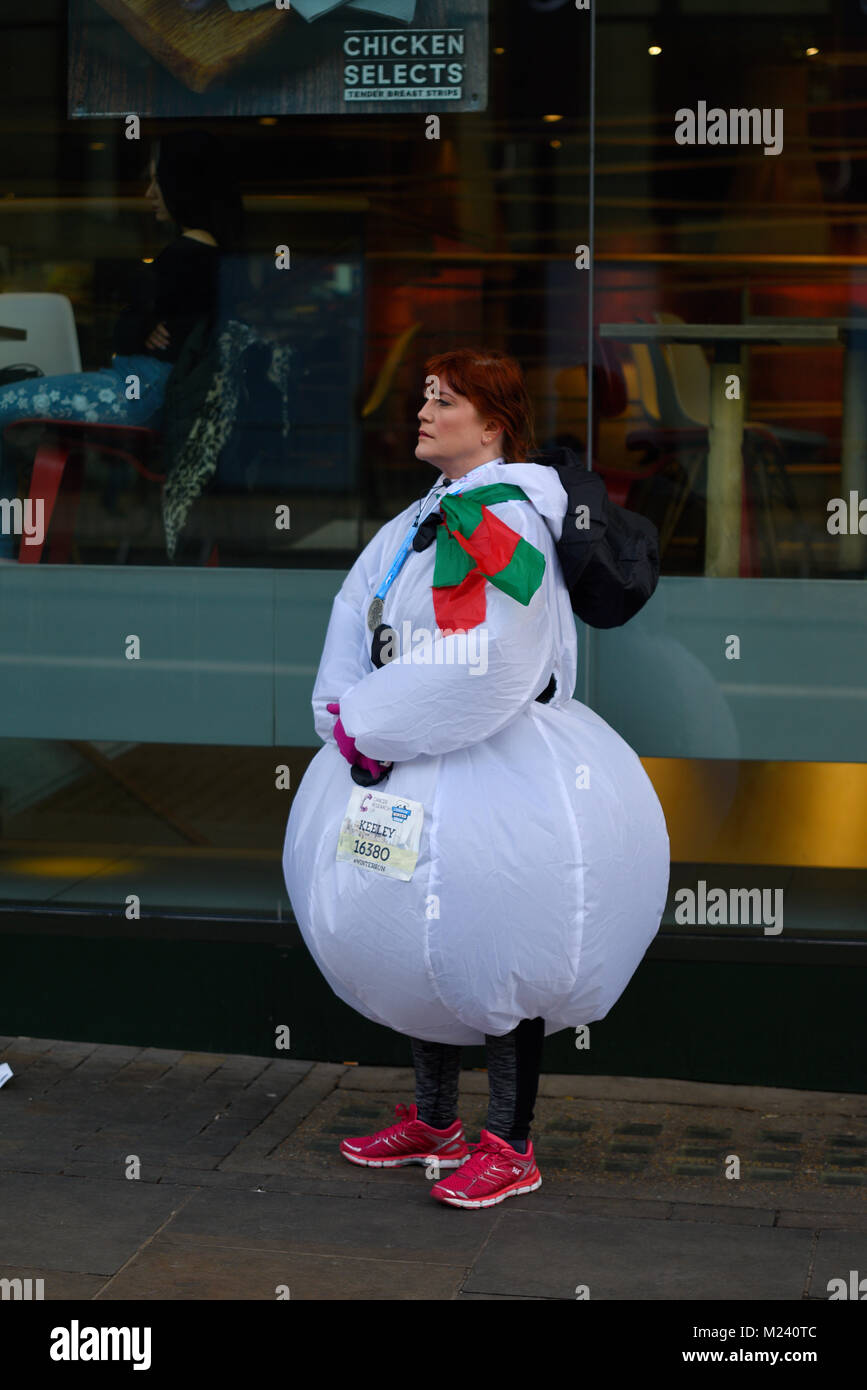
(159, 337)
(348, 748)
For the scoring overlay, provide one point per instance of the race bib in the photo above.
(381, 832)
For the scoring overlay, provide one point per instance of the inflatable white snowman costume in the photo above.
(515, 862)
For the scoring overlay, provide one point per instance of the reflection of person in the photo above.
(542, 870)
(189, 189)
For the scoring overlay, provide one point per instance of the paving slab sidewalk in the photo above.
(144, 1173)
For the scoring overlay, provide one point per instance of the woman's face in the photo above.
(452, 433)
(153, 193)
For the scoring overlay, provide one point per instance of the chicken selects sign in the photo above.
(276, 57)
(389, 66)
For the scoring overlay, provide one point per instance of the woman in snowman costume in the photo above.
(474, 856)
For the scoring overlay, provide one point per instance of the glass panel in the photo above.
(730, 300)
(730, 289)
(370, 241)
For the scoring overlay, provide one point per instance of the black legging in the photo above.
(514, 1063)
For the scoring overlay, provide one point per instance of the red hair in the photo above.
(494, 384)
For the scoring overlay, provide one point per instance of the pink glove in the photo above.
(348, 748)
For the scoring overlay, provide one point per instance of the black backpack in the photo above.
(611, 566)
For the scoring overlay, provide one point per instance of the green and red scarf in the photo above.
(474, 546)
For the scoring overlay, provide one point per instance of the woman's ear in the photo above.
(493, 428)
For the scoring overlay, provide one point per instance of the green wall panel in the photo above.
(206, 671)
(798, 690)
(229, 657)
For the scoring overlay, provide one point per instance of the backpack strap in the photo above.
(609, 555)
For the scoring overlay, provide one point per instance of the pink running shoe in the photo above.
(493, 1172)
(409, 1141)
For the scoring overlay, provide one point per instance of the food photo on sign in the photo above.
(170, 58)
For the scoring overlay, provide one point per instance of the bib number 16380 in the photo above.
(381, 832)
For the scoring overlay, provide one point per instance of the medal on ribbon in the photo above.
(374, 614)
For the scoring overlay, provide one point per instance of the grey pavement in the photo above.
(142, 1173)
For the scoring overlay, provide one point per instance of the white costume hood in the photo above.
(540, 482)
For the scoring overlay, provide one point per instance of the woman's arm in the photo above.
(345, 656)
(136, 321)
(187, 287)
(342, 664)
(175, 292)
(484, 680)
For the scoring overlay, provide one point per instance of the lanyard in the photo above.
(374, 612)
(423, 511)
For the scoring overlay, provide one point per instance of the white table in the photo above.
(726, 417)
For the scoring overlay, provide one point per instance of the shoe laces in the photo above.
(483, 1153)
(404, 1118)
